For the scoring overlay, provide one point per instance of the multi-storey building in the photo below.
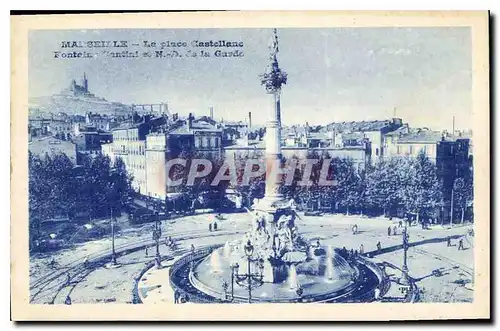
(449, 153)
(147, 146)
(129, 143)
(201, 136)
(359, 154)
(102, 122)
(89, 142)
(374, 131)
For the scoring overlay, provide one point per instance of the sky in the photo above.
(423, 75)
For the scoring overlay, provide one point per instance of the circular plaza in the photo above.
(436, 272)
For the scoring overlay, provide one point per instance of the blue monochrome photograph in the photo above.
(251, 166)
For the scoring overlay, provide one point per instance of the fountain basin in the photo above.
(186, 278)
(326, 284)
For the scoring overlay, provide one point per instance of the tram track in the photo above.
(76, 267)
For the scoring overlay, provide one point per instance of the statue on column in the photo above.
(273, 46)
(274, 77)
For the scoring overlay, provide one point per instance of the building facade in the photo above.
(147, 146)
(374, 131)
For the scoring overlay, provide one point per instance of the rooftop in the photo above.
(425, 136)
(199, 124)
(360, 126)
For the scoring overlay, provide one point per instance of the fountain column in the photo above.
(273, 79)
(273, 150)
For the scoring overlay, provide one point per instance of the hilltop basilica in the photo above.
(75, 90)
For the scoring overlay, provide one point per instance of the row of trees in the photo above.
(401, 185)
(58, 188)
(390, 187)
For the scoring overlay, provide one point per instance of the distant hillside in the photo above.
(72, 105)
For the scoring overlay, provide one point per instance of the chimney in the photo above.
(212, 112)
(453, 128)
(190, 121)
(249, 120)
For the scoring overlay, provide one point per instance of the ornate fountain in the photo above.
(282, 265)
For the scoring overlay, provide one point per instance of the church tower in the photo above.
(85, 83)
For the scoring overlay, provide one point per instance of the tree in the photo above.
(121, 185)
(201, 189)
(463, 191)
(40, 206)
(348, 187)
(422, 190)
(384, 183)
(255, 188)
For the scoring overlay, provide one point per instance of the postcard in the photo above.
(257, 166)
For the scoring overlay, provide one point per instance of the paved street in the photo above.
(97, 283)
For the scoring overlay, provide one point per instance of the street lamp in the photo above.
(299, 292)
(225, 287)
(113, 252)
(249, 280)
(156, 238)
(405, 278)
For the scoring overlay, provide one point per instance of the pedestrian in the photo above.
(448, 241)
(210, 227)
(215, 226)
(389, 231)
(377, 294)
(461, 244)
(146, 251)
(395, 230)
(382, 267)
(379, 247)
(356, 253)
(352, 253)
(177, 295)
(361, 249)
(68, 300)
(318, 243)
(68, 279)
(192, 248)
(400, 224)
(86, 262)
